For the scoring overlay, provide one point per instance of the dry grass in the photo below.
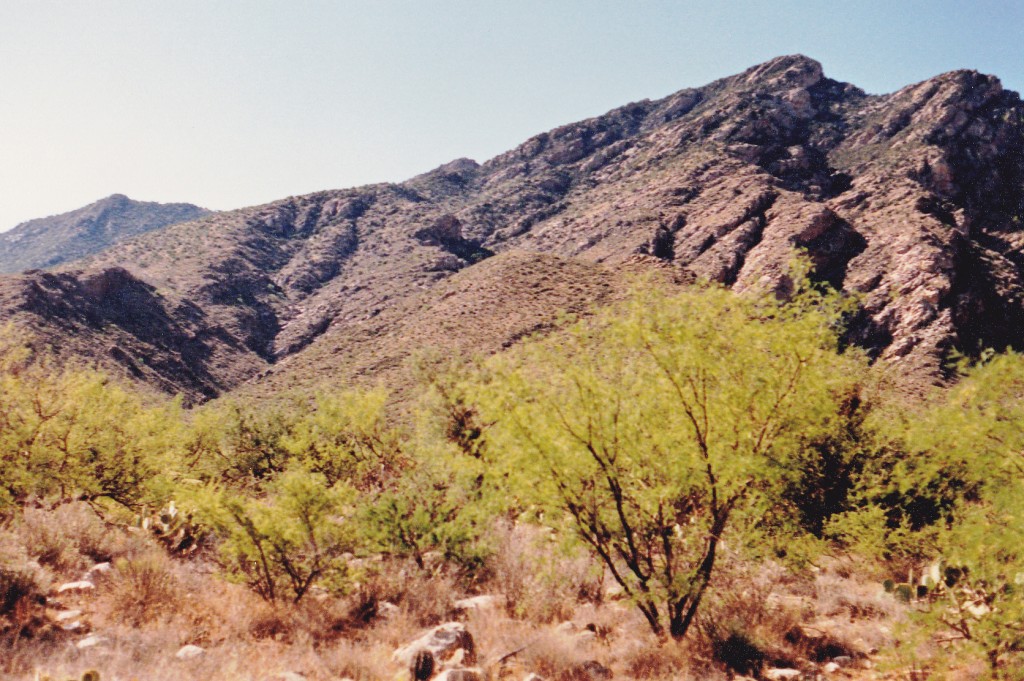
(664, 660)
(546, 590)
(71, 538)
(559, 620)
(144, 589)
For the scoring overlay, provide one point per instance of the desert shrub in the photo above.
(828, 465)
(657, 427)
(345, 437)
(423, 597)
(285, 542)
(667, 660)
(959, 497)
(143, 588)
(541, 578)
(238, 446)
(269, 623)
(352, 660)
(432, 508)
(744, 599)
(18, 591)
(73, 434)
(72, 537)
(553, 656)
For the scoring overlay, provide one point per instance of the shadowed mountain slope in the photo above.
(58, 239)
(912, 200)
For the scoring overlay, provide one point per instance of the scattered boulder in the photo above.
(97, 569)
(567, 627)
(79, 586)
(65, 615)
(443, 641)
(585, 638)
(289, 676)
(92, 641)
(447, 262)
(387, 610)
(843, 661)
(782, 674)
(446, 229)
(189, 652)
(477, 603)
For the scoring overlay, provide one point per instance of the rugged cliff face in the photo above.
(912, 200)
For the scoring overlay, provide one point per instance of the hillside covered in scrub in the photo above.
(719, 386)
(701, 485)
(48, 242)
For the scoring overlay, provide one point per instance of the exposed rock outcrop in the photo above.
(912, 201)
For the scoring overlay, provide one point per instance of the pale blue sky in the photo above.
(227, 104)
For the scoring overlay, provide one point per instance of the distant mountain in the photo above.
(46, 242)
(911, 201)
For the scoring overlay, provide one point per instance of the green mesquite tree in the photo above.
(656, 427)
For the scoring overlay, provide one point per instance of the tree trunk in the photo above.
(682, 612)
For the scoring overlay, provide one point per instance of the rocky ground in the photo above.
(145, 615)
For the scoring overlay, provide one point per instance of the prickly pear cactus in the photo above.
(173, 529)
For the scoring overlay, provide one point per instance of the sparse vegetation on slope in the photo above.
(561, 502)
(52, 241)
(911, 200)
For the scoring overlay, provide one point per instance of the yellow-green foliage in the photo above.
(286, 541)
(435, 505)
(973, 442)
(68, 433)
(345, 437)
(651, 433)
(658, 426)
(237, 445)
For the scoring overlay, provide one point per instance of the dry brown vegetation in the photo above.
(554, 616)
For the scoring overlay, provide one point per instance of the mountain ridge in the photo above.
(57, 239)
(910, 200)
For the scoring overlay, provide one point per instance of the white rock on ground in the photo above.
(81, 585)
(473, 674)
(782, 674)
(189, 652)
(442, 641)
(98, 569)
(485, 602)
(289, 676)
(91, 642)
(65, 615)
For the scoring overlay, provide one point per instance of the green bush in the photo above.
(662, 424)
(287, 541)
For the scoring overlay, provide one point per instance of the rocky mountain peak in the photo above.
(912, 202)
(780, 73)
(51, 241)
